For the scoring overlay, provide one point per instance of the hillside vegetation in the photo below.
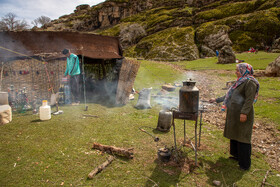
(179, 29)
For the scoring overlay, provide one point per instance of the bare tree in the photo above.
(3, 26)
(42, 20)
(10, 23)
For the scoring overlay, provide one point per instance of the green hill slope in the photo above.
(179, 29)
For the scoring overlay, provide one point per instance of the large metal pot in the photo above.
(189, 97)
(164, 120)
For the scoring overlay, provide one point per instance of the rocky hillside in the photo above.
(179, 29)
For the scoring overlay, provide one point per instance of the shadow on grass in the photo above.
(36, 121)
(224, 170)
(164, 174)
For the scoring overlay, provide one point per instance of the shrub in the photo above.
(131, 34)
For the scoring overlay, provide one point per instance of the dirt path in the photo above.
(265, 138)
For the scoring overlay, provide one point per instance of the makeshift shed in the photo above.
(33, 60)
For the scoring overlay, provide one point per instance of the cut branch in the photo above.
(114, 150)
(264, 179)
(88, 115)
(100, 167)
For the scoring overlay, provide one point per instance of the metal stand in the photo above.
(192, 117)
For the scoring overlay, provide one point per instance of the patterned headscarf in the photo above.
(246, 71)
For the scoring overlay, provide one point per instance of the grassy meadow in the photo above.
(58, 152)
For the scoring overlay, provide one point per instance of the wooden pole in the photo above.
(2, 69)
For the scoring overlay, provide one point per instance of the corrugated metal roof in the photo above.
(34, 43)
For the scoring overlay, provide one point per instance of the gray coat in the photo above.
(240, 102)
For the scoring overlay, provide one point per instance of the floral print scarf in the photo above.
(246, 71)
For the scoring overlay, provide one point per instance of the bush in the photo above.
(131, 34)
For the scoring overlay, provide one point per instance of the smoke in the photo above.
(170, 100)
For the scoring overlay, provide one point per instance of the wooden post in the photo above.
(1, 76)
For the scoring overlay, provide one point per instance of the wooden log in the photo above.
(114, 150)
(100, 167)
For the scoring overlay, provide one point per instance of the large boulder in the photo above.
(276, 46)
(213, 36)
(206, 52)
(82, 7)
(273, 69)
(226, 55)
(173, 44)
(218, 40)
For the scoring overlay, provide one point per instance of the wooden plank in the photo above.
(127, 77)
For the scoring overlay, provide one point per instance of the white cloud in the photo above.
(32, 9)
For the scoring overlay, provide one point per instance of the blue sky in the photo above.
(32, 9)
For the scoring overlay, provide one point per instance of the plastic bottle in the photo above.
(61, 99)
(45, 111)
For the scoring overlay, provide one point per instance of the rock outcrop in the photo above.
(226, 55)
(240, 24)
(273, 69)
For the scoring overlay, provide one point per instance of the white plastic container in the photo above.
(5, 114)
(45, 111)
(4, 98)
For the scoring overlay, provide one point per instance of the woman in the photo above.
(238, 102)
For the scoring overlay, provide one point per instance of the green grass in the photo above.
(268, 104)
(35, 153)
(154, 75)
(259, 61)
(58, 151)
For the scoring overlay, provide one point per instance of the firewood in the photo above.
(114, 150)
(100, 167)
(264, 179)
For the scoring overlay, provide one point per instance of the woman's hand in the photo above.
(212, 100)
(243, 118)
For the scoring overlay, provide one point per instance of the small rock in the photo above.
(272, 153)
(217, 183)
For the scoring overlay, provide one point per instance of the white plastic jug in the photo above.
(45, 111)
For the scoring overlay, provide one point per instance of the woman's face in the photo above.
(237, 72)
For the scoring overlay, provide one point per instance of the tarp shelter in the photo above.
(30, 57)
